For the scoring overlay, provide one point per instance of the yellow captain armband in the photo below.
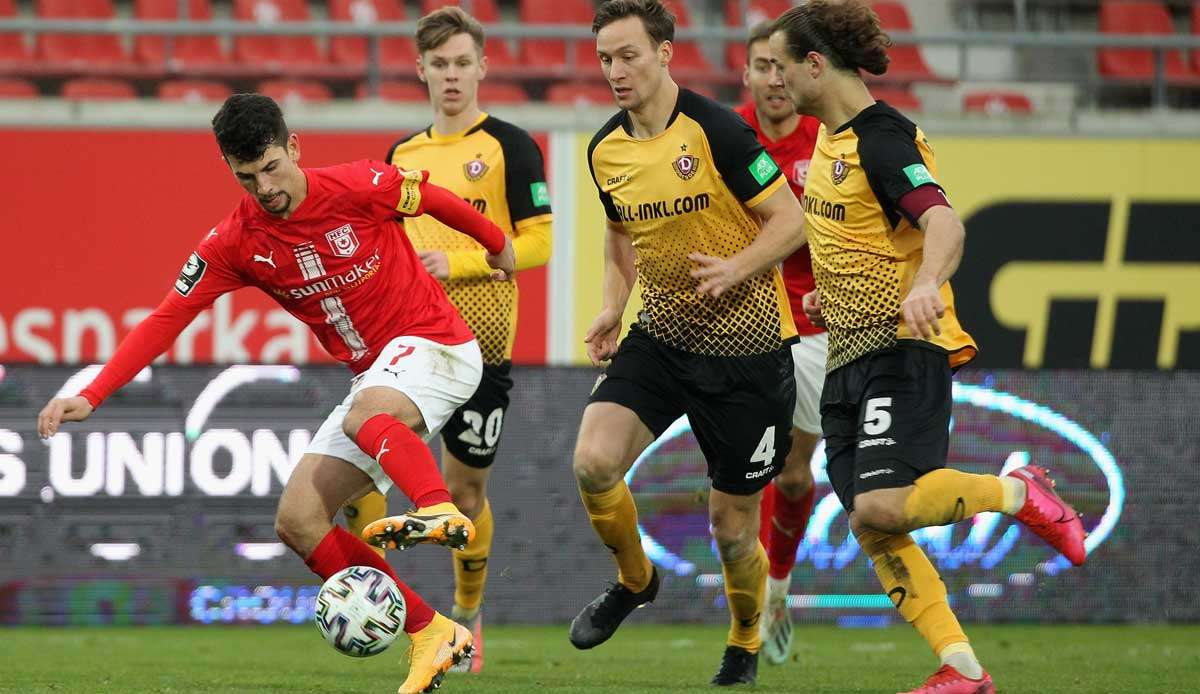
(410, 192)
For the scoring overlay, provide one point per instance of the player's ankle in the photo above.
(1014, 494)
(961, 657)
(778, 587)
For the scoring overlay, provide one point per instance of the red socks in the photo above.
(339, 550)
(405, 458)
(782, 528)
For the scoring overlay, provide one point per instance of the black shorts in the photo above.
(740, 408)
(886, 419)
(473, 433)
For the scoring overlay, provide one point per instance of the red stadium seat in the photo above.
(96, 89)
(17, 89)
(499, 54)
(193, 90)
(398, 52)
(580, 94)
(995, 102)
(1136, 17)
(899, 99)
(187, 52)
(491, 93)
(907, 64)
(551, 54)
(291, 91)
(410, 92)
(687, 60)
(758, 11)
(284, 54)
(80, 52)
(13, 50)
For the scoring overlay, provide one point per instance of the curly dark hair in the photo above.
(247, 125)
(846, 32)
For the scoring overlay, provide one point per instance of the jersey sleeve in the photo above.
(895, 167)
(524, 176)
(610, 209)
(740, 158)
(206, 275)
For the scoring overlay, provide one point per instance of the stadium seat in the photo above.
(688, 61)
(907, 64)
(188, 53)
(499, 54)
(1137, 17)
(757, 12)
(17, 89)
(97, 89)
(395, 53)
(292, 91)
(280, 54)
(193, 90)
(580, 94)
(551, 54)
(13, 50)
(994, 102)
(900, 99)
(491, 93)
(411, 92)
(93, 53)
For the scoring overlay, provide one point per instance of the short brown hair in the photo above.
(656, 18)
(759, 32)
(436, 28)
(846, 32)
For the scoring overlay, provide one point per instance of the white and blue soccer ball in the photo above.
(360, 611)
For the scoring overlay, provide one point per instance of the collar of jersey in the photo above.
(627, 123)
(439, 137)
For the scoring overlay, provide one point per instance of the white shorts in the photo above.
(808, 359)
(437, 378)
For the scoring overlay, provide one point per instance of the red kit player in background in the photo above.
(788, 501)
(327, 246)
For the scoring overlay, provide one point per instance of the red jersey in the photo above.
(341, 263)
(792, 154)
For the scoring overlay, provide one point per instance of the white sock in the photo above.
(1014, 494)
(961, 657)
(777, 588)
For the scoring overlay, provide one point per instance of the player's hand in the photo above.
(61, 410)
(436, 263)
(922, 309)
(601, 338)
(716, 275)
(504, 263)
(812, 308)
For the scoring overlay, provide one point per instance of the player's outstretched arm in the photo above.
(943, 249)
(456, 213)
(59, 410)
(781, 234)
(619, 276)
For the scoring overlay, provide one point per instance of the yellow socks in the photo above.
(914, 587)
(745, 587)
(948, 496)
(614, 516)
(470, 564)
(363, 511)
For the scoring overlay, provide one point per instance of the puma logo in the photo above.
(375, 180)
(382, 449)
(269, 259)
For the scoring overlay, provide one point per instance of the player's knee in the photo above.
(295, 530)
(876, 513)
(795, 481)
(734, 536)
(354, 419)
(467, 496)
(596, 468)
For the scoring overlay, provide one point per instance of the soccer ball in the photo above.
(360, 611)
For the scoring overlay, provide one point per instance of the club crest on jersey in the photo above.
(686, 166)
(475, 169)
(839, 171)
(343, 241)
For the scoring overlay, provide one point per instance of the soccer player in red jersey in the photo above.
(788, 501)
(327, 246)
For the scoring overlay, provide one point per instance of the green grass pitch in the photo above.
(640, 658)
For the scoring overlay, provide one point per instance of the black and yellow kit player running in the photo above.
(723, 362)
(885, 409)
(498, 168)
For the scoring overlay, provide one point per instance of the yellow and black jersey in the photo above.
(686, 190)
(498, 168)
(865, 250)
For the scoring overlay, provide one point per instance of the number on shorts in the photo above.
(482, 431)
(408, 349)
(877, 420)
(765, 452)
